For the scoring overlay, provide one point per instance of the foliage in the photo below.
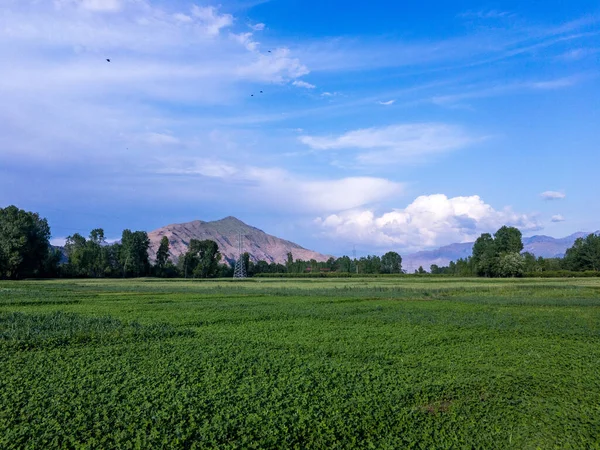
(584, 255)
(387, 362)
(24, 244)
(202, 259)
(391, 262)
(133, 253)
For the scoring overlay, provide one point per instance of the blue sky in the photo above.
(382, 125)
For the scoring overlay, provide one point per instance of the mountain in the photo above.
(260, 245)
(545, 246)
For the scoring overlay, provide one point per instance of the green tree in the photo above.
(24, 243)
(162, 256)
(508, 240)
(584, 254)
(484, 255)
(511, 265)
(202, 258)
(391, 262)
(134, 253)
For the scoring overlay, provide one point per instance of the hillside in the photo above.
(545, 246)
(260, 245)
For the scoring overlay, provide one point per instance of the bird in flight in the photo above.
(261, 92)
(107, 60)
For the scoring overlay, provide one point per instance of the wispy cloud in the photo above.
(396, 143)
(429, 221)
(486, 14)
(558, 218)
(388, 103)
(266, 185)
(553, 195)
(303, 84)
(257, 26)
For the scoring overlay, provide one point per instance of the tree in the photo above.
(391, 262)
(508, 240)
(584, 254)
(162, 256)
(484, 255)
(24, 243)
(511, 265)
(202, 259)
(134, 253)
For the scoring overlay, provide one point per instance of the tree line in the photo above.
(501, 255)
(25, 252)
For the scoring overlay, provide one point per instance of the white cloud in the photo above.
(258, 27)
(303, 84)
(211, 19)
(395, 143)
(246, 40)
(286, 191)
(553, 195)
(388, 103)
(58, 241)
(429, 221)
(558, 218)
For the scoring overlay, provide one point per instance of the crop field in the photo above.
(315, 363)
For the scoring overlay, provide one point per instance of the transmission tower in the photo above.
(240, 268)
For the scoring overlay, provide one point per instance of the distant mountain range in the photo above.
(545, 246)
(260, 245)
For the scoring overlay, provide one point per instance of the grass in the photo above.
(316, 363)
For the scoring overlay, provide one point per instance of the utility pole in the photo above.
(240, 269)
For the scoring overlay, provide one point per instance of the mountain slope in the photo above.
(260, 245)
(545, 246)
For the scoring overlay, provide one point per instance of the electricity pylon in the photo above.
(240, 269)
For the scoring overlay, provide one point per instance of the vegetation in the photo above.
(25, 252)
(334, 363)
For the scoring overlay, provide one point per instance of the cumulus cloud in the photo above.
(429, 221)
(553, 195)
(303, 84)
(558, 218)
(287, 191)
(395, 143)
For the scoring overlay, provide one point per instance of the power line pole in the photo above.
(240, 269)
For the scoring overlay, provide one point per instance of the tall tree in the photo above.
(391, 262)
(484, 255)
(202, 259)
(134, 253)
(162, 256)
(508, 240)
(24, 243)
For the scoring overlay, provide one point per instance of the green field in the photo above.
(357, 363)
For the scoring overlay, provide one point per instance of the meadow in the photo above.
(309, 363)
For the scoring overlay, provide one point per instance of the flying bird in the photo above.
(107, 60)
(261, 92)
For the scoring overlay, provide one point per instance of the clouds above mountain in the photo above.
(285, 191)
(399, 143)
(429, 221)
